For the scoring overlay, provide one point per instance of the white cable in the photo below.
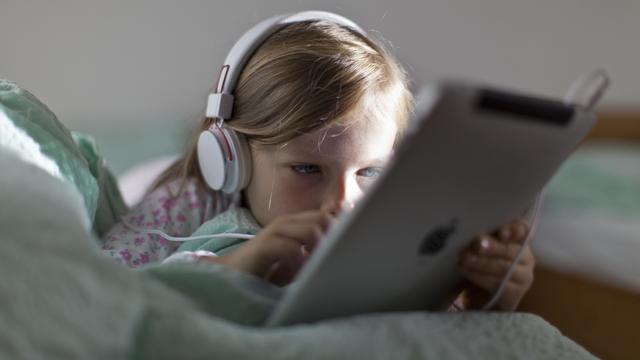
(585, 82)
(534, 222)
(182, 239)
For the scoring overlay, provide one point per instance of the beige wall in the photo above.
(103, 64)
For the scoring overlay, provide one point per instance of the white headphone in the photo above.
(223, 154)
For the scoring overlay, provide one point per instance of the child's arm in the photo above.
(163, 209)
(486, 261)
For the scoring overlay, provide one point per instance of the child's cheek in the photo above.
(299, 193)
(300, 183)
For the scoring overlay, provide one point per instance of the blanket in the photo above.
(61, 298)
(32, 131)
(236, 219)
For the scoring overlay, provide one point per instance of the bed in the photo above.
(61, 298)
(588, 241)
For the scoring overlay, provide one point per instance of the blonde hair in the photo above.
(301, 79)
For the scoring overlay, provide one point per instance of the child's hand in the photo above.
(485, 263)
(280, 249)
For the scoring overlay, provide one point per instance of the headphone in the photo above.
(223, 154)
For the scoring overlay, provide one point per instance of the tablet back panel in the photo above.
(474, 159)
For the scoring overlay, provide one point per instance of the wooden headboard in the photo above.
(617, 124)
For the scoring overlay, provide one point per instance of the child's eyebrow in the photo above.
(382, 159)
(312, 157)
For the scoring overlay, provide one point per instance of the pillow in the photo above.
(135, 181)
(29, 129)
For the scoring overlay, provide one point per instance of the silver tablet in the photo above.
(474, 159)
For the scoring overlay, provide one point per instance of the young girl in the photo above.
(322, 107)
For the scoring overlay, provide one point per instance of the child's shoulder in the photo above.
(186, 195)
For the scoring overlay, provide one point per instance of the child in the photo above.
(322, 107)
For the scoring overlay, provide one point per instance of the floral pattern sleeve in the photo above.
(165, 208)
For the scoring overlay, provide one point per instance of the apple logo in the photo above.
(436, 239)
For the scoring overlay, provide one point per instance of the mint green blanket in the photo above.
(29, 129)
(61, 298)
(237, 220)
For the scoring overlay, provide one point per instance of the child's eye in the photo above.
(306, 169)
(370, 172)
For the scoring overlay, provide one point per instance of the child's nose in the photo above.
(342, 197)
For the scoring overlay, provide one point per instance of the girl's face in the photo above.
(327, 169)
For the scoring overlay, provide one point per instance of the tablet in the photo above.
(475, 158)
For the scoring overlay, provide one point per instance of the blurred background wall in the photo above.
(135, 74)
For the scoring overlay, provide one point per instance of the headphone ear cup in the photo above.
(239, 168)
(225, 159)
(212, 159)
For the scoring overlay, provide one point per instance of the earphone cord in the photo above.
(534, 222)
(487, 306)
(597, 81)
(181, 239)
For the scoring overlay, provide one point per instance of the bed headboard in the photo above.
(617, 124)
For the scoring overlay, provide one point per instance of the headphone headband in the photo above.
(223, 154)
(220, 103)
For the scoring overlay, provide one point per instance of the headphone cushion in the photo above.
(225, 159)
(239, 172)
(212, 159)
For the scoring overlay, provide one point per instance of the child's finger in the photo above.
(495, 266)
(491, 247)
(521, 275)
(284, 251)
(322, 218)
(527, 257)
(305, 230)
(278, 275)
(516, 232)
(503, 233)
(487, 282)
(519, 231)
(283, 272)
(491, 283)
(320, 222)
